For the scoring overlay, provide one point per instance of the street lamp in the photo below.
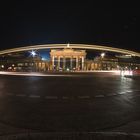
(2, 66)
(33, 53)
(102, 55)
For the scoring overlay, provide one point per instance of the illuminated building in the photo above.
(20, 62)
(65, 57)
(100, 63)
(68, 59)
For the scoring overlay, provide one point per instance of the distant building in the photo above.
(105, 63)
(20, 62)
(67, 59)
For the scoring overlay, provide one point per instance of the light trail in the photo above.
(32, 74)
(100, 71)
(74, 46)
(71, 74)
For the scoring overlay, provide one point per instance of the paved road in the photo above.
(88, 102)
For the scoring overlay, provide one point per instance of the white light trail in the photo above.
(32, 74)
(74, 46)
(117, 72)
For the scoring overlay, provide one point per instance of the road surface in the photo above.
(79, 103)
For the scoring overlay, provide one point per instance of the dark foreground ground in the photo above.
(96, 102)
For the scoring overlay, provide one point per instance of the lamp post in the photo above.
(102, 56)
(33, 54)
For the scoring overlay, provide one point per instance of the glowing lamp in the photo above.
(102, 55)
(33, 53)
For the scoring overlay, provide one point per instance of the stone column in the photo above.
(45, 69)
(82, 62)
(93, 65)
(52, 62)
(37, 66)
(64, 63)
(41, 66)
(77, 65)
(58, 62)
(71, 59)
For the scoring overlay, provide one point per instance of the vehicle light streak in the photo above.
(74, 46)
(31, 74)
(117, 72)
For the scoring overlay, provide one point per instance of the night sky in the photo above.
(29, 23)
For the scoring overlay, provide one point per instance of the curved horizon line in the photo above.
(77, 46)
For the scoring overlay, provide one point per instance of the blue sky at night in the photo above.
(45, 54)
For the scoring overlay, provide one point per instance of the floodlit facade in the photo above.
(68, 59)
(65, 57)
(22, 63)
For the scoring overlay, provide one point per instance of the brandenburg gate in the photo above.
(67, 59)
